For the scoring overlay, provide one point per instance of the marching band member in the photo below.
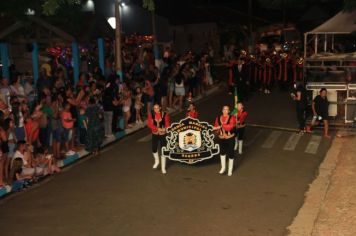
(267, 75)
(158, 122)
(192, 111)
(241, 116)
(231, 80)
(225, 125)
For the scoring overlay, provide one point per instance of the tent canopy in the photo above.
(341, 23)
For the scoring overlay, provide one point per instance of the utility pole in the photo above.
(251, 41)
(118, 60)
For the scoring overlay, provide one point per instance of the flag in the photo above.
(236, 100)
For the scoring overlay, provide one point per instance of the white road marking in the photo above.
(251, 141)
(272, 138)
(292, 142)
(313, 144)
(145, 139)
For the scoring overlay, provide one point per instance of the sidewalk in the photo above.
(83, 153)
(330, 204)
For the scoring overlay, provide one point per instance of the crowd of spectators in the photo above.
(47, 120)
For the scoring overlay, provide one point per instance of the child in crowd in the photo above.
(138, 105)
(67, 123)
(192, 112)
(126, 107)
(83, 126)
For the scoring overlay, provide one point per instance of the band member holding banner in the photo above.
(158, 122)
(225, 124)
(240, 117)
(192, 111)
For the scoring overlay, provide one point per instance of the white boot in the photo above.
(236, 144)
(156, 159)
(231, 166)
(163, 164)
(240, 146)
(223, 164)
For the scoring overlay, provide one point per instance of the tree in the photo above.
(50, 7)
(47, 7)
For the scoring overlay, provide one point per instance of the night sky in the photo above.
(192, 11)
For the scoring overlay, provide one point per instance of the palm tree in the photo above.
(150, 6)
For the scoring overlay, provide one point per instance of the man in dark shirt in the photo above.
(301, 102)
(320, 109)
(108, 106)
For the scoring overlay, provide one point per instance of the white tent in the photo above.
(341, 23)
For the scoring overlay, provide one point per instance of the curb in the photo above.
(303, 223)
(4, 191)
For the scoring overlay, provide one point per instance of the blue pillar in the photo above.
(35, 62)
(101, 55)
(5, 61)
(75, 58)
(156, 51)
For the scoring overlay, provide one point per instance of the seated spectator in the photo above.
(45, 163)
(17, 172)
(24, 154)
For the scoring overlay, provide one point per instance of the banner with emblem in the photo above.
(190, 141)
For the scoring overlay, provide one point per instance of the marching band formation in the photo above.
(246, 72)
(229, 128)
(261, 70)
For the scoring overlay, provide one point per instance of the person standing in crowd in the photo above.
(225, 125)
(4, 150)
(108, 105)
(45, 80)
(238, 78)
(171, 78)
(68, 124)
(83, 126)
(240, 118)
(57, 129)
(149, 94)
(95, 132)
(158, 121)
(192, 111)
(17, 89)
(32, 127)
(18, 121)
(126, 106)
(301, 102)
(5, 91)
(320, 108)
(179, 91)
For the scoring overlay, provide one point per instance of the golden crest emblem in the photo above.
(190, 139)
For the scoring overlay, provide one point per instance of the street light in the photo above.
(112, 20)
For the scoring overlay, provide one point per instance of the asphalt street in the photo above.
(118, 193)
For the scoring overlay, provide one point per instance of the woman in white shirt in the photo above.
(179, 91)
(17, 89)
